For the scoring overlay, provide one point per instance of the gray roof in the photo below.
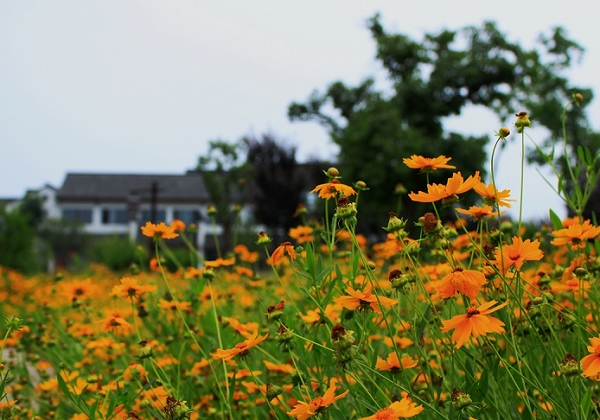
(187, 188)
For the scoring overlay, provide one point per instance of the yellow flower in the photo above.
(332, 189)
(449, 192)
(474, 323)
(129, 288)
(402, 409)
(159, 231)
(240, 349)
(428, 164)
(303, 410)
(393, 364)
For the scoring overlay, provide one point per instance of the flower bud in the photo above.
(211, 210)
(333, 172)
(275, 312)
(273, 391)
(522, 120)
(503, 133)
(341, 338)
(263, 239)
(460, 399)
(394, 224)
(145, 351)
(578, 98)
(450, 200)
(361, 185)
(570, 365)
(398, 279)
(430, 223)
(345, 208)
(400, 189)
(208, 273)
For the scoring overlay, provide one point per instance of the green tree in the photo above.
(277, 183)
(224, 172)
(433, 79)
(16, 242)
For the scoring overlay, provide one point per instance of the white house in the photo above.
(121, 203)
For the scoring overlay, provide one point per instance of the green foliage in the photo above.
(224, 173)
(63, 238)
(117, 253)
(433, 79)
(278, 185)
(16, 242)
(32, 207)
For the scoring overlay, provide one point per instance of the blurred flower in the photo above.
(129, 288)
(479, 213)
(402, 409)
(220, 262)
(301, 234)
(240, 349)
(393, 364)
(159, 231)
(281, 250)
(177, 225)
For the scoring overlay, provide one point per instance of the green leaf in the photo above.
(580, 154)
(556, 222)
(62, 385)
(588, 157)
(484, 382)
(423, 322)
(586, 402)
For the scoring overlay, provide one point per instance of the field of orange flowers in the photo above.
(485, 323)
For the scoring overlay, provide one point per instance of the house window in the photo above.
(114, 216)
(77, 215)
(187, 216)
(161, 216)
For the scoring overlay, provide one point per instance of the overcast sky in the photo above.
(142, 86)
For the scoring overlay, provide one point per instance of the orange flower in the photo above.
(177, 225)
(220, 262)
(301, 234)
(576, 235)
(491, 195)
(467, 282)
(479, 212)
(363, 300)
(474, 323)
(428, 164)
(447, 193)
(517, 253)
(115, 321)
(240, 349)
(591, 363)
(332, 189)
(160, 231)
(395, 365)
(303, 410)
(129, 288)
(282, 249)
(78, 290)
(402, 409)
